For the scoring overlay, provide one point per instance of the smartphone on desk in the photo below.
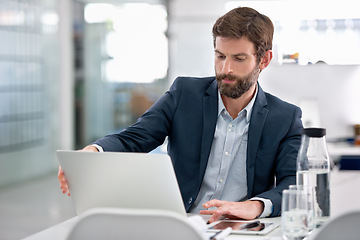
(244, 227)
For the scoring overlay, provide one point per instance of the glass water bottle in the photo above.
(313, 169)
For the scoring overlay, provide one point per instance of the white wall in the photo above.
(331, 90)
(190, 37)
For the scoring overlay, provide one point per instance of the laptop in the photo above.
(121, 180)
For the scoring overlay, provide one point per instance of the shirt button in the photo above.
(226, 153)
(221, 180)
(190, 200)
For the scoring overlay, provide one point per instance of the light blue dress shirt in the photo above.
(225, 175)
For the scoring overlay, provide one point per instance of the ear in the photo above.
(265, 60)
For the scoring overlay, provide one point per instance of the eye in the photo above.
(219, 56)
(240, 59)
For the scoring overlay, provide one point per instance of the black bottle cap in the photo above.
(314, 132)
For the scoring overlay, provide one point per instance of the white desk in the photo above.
(60, 231)
(344, 197)
(57, 232)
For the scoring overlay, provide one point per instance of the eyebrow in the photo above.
(235, 55)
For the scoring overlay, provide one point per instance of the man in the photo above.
(232, 145)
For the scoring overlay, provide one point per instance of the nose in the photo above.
(227, 67)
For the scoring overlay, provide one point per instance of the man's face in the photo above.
(235, 66)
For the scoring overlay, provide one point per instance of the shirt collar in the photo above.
(247, 109)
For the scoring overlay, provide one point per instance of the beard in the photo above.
(241, 85)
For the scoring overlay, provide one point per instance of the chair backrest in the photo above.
(115, 223)
(344, 227)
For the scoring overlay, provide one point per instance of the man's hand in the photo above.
(244, 210)
(89, 148)
(63, 184)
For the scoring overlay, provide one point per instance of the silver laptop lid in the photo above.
(121, 180)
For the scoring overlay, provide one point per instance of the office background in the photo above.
(73, 71)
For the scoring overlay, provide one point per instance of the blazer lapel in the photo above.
(210, 111)
(257, 122)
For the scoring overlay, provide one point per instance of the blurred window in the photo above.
(26, 27)
(137, 46)
(125, 64)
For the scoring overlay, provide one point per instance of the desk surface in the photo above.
(343, 199)
(60, 232)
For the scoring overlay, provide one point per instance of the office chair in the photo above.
(133, 224)
(344, 227)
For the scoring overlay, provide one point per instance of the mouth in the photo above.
(226, 80)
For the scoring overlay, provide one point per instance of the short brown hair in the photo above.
(245, 21)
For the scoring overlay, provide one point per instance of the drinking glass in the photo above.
(294, 214)
(310, 192)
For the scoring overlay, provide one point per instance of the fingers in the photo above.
(89, 148)
(213, 203)
(217, 213)
(207, 212)
(63, 183)
(235, 210)
(248, 210)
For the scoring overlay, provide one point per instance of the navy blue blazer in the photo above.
(187, 114)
